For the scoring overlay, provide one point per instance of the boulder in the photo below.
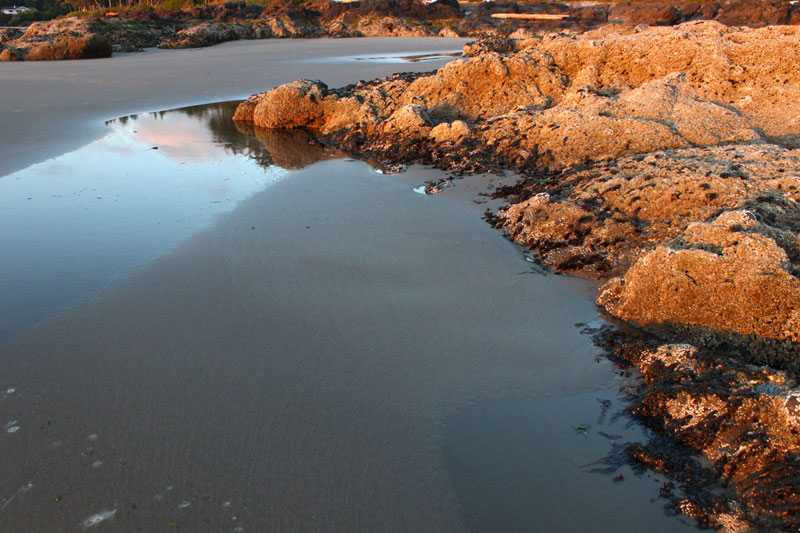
(593, 14)
(727, 287)
(650, 13)
(59, 39)
(450, 132)
(207, 34)
(297, 104)
(754, 14)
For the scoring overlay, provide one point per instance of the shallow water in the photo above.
(403, 58)
(237, 332)
(73, 224)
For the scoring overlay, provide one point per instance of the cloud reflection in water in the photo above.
(74, 224)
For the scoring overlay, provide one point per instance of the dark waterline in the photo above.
(264, 345)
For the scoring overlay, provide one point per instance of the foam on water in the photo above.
(99, 518)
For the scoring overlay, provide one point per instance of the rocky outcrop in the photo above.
(721, 64)
(734, 13)
(662, 161)
(63, 39)
(9, 34)
(728, 284)
(608, 214)
(391, 27)
(707, 241)
(411, 10)
(135, 35)
(565, 99)
(743, 419)
(652, 14)
(754, 14)
(207, 34)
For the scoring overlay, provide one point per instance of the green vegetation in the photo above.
(43, 10)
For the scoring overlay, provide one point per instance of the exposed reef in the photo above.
(661, 161)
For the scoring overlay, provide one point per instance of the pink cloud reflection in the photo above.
(182, 138)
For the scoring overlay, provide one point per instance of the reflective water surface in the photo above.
(72, 225)
(221, 330)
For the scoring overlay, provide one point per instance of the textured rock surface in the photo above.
(565, 99)
(622, 208)
(739, 294)
(744, 420)
(63, 39)
(743, 68)
(711, 236)
(207, 34)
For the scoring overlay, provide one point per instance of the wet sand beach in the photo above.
(305, 370)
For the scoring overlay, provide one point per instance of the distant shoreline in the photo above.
(103, 32)
(50, 108)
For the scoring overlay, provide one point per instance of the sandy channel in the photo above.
(52, 107)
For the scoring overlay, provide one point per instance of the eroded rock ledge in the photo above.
(663, 162)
